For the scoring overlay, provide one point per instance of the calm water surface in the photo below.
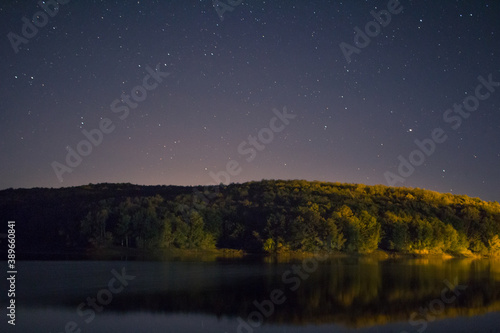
(259, 295)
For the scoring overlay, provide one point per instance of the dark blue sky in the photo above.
(351, 121)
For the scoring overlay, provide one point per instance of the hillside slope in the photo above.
(265, 216)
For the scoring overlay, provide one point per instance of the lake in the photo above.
(345, 294)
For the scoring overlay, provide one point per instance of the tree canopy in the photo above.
(263, 216)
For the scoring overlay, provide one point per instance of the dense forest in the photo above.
(269, 216)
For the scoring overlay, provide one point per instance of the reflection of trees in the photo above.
(351, 291)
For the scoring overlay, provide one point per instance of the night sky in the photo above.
(175, 92)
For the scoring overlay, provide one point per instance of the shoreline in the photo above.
(119, 253)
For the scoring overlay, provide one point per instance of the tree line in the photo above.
(269, 216)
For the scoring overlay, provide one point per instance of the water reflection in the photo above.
(344, 292)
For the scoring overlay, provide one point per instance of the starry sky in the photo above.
(220, 80)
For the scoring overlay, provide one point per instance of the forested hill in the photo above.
(266, 216)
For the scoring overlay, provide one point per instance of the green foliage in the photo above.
(195, 233)
(93, 226)
(494, 246)
(269, 216)
(123, 228)
(363, 232)
(333, 237)
(422, 234)
(477, 245)
(370, 232)
(167, 237)
(181, 230)
(207, 242)
(397, 232)
(270, 246)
